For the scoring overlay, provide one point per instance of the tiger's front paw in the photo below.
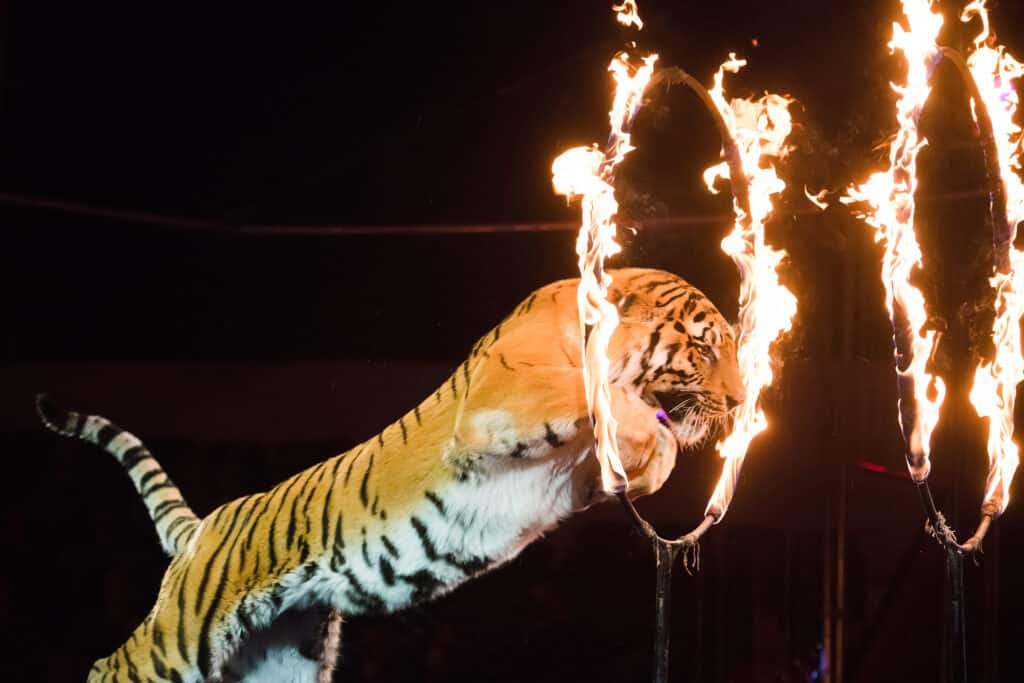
(659, 465)
(647, 448)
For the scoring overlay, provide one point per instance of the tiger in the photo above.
(498, 455)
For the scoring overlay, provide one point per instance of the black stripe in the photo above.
(337, 552)
(645, 359)
(362, 487)
(158, 665)
(658, 283)
(519, 451)
(348, 470)
(438, 395)
(380, 439)
(244, 619)
(371, 602)
(133, 456)
(188, 529)
(164, 508)
(133, 671)
(416, 412)
(325, 520)
(159, 486)
(389, 546)
(455, 393)
(673, 349)
(106, 434)
(149, 475)
(271, 545)
(175, 523)
(158, 640)
(691, 302)
(322, 469)
(437, 501)
(425, 584)
(387, 572)
(465, 373)
(468, 567)
(373, 508)
(366, 551)
(662, 304)
(501, 357)
(265, 499)
(293, 520)
(182, 647)
(529, 303)
(421, 531)
(405, 435)
(551, 437)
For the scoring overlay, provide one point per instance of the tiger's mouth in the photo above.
(692, 415)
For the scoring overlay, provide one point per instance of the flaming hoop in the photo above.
(989, 74)
(753, 132)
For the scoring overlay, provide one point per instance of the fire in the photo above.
(588, 173)
(890, 198)
(627, 14)
(760, 128)
(995, 383)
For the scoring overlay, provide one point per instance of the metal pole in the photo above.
(665, 555)
(956, 637)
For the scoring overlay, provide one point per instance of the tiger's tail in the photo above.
(175, 522)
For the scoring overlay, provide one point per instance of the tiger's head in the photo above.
(676, 350)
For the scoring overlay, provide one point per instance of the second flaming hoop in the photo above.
(989, 74)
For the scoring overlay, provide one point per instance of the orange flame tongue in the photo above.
(890, 197)
(588, 173)
(995, 382)
(760, 129)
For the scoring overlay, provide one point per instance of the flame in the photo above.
(627, 14)
(760, 128)
(890, 197)
(588, 173)
(995, 383)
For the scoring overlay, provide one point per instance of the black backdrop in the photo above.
(245, 356)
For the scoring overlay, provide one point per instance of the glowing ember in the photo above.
(890, 198)
(995, 383)
(588, 173)
(760, 128)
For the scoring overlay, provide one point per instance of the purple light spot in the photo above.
(661, 415)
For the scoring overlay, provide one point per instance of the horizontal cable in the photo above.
(162, 220)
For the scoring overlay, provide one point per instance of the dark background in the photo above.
(256, 235)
